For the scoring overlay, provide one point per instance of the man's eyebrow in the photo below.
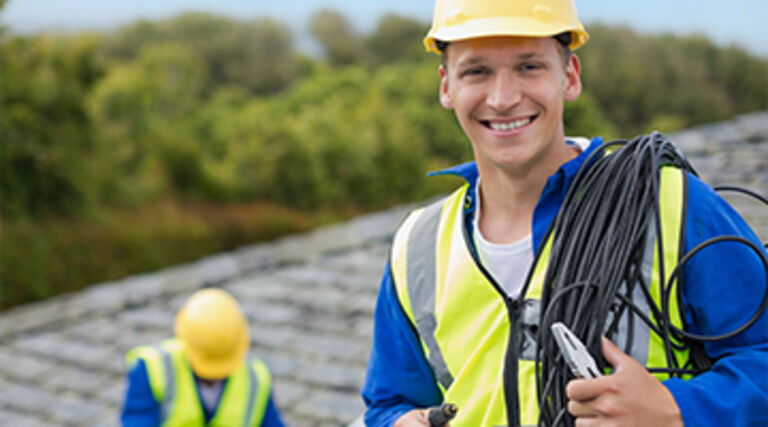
(474, 60)
(527, 55)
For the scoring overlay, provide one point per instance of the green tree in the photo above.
(140, 111)
(643, 80)
(341, 43)
(744, 76)
(396, 38)
(258, 55)
(583, 117)
(46, 142)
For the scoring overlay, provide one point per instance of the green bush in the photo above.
(163, 141)
(44, 258)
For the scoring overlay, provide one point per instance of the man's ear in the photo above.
(573, 78)
(445, 96)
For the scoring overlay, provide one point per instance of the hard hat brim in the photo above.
(505, 26)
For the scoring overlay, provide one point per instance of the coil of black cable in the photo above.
(596, 265)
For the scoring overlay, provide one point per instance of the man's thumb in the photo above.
(612, 354)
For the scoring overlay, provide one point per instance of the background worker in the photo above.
(202, 376)
(454, 304)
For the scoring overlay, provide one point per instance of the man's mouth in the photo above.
(500, 125)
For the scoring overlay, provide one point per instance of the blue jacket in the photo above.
(140, 408)
(723, 288)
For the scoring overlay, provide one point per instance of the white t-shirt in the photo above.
(508, 263)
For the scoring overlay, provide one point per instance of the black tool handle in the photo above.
(439, 416)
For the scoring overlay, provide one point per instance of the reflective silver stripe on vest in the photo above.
(251, 394)
(529, 325)
(638, 329)
(170, 386)
(420, 273)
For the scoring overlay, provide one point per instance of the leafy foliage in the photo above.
(257, 55)
(639, 80)
(340, 41)
(396, 39)
(162, 141)
(44, 129)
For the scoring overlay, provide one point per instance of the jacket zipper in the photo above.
(511, 393)
(511, 398)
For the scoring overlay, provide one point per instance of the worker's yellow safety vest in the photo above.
(243, 400)
(463, 322)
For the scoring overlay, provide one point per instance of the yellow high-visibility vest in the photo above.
(243, 401)
(463, 322)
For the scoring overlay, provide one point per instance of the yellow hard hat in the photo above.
(467, 19)
(214, 333)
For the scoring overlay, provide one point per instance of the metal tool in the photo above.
(574, 352)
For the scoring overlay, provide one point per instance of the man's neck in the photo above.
(509, 198)
(507, 210)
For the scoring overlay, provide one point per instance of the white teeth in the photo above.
(511, 125)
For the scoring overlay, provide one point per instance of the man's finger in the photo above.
(582, 408)
(587, 422)
(586, 389)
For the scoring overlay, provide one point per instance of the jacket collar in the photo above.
(562, 178)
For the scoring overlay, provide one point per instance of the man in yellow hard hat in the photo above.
(202, 377)
(460, 303)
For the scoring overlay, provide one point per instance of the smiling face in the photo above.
(508, 94)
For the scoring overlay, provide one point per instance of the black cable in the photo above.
(745, 191)
(677, 273)
(748, 192)
(595, 273)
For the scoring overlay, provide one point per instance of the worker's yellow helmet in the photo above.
(214, 333)
(467, 19)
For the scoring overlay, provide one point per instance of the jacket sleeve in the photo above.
(272, 414)
(398, 377)
(140, 407)
(723, 287)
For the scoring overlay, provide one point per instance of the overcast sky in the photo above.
(742, 22)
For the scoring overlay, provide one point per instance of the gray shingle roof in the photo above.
(309, 299)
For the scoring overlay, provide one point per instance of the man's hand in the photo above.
(630, 396)
(414, 418)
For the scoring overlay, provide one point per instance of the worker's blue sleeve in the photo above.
(140, 407)
(723, 288)
(398, 378)
(272, 415)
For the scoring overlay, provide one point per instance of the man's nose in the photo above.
(504, 94)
